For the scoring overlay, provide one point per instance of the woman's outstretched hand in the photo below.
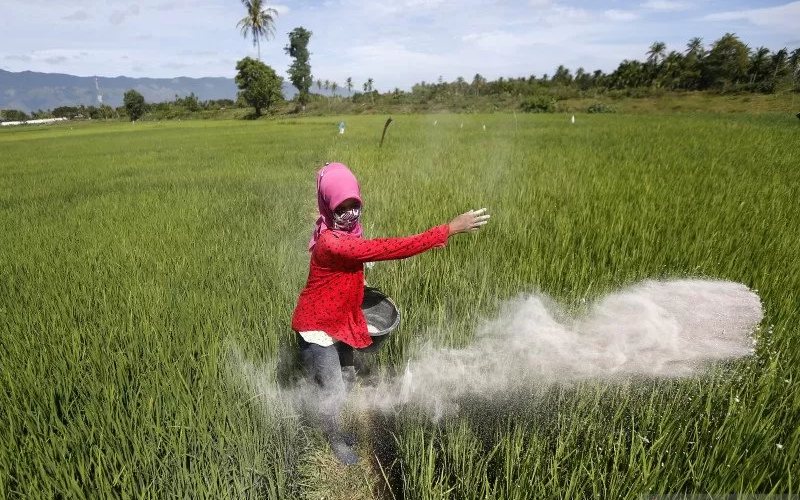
(469, 222)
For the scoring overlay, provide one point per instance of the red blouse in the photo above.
(331, 300)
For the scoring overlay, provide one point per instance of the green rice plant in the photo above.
(136, 260)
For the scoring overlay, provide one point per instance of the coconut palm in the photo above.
(692, 63)
(758, 63)
(656, 52)
(779, 60)
(695, 47)
(349, 82)
(794, 59)
(259, 22)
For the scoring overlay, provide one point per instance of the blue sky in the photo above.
(396, 42)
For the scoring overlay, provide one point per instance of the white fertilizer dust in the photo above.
(656, 329)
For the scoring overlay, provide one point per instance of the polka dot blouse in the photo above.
(331, 299)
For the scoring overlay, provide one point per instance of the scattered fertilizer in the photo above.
(655, 329)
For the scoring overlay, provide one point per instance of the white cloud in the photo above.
(779, 17)
(382, 61)
(666, 5)
(384, 8)
(621, 15)
(78, 15)
(500, 40)
(560, 14)
(119, 16)
(396, 42)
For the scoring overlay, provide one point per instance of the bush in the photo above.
(600, 107)
(538, 104)
(13, 115)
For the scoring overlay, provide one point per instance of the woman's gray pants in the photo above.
(331, 371)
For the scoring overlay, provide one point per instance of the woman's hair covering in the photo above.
(335, 184)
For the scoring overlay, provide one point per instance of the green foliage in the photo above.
(728, 66)
(727, 62)
(258, 23)
(259, 85)
(599, 107)
(82, 112)
(134, 104)
(539, 104)
(13, 115)
(190, 102)
(300, 70)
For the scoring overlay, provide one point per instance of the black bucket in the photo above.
(381, 315)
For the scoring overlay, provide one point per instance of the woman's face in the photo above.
(346, 215)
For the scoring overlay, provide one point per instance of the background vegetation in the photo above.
(728, 67)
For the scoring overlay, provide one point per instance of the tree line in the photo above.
(727, 65)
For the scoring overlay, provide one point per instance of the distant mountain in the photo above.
(30, 91)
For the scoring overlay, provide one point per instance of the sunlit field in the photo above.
(140, 264)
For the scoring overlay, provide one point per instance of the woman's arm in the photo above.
(335, 248)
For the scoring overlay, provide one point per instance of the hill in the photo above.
(29, 90)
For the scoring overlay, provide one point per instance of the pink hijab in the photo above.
(335, 184)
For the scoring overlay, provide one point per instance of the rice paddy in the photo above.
(141, 265)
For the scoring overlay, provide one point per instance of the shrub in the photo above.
(13, 115)
(600, 107)
(538, 104)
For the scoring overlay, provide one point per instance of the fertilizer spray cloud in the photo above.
(659, 329)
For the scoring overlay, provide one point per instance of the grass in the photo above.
(135, 259)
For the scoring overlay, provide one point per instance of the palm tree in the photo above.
(259, 22)
(656, 52)
(327, 85)
(655, 56)
(671, 70)
(630, 73)
(479, 81)
(562, 76)
(794, 65)
(794, 59)
(319, 84)
(334, 86)
(349, 84)
(369, 83)
(779, 60)
(695, 52)
(758, 63)
(695, 47)
(460, 83)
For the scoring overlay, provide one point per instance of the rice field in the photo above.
(142, 265)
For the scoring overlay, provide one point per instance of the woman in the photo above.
(328, 315)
